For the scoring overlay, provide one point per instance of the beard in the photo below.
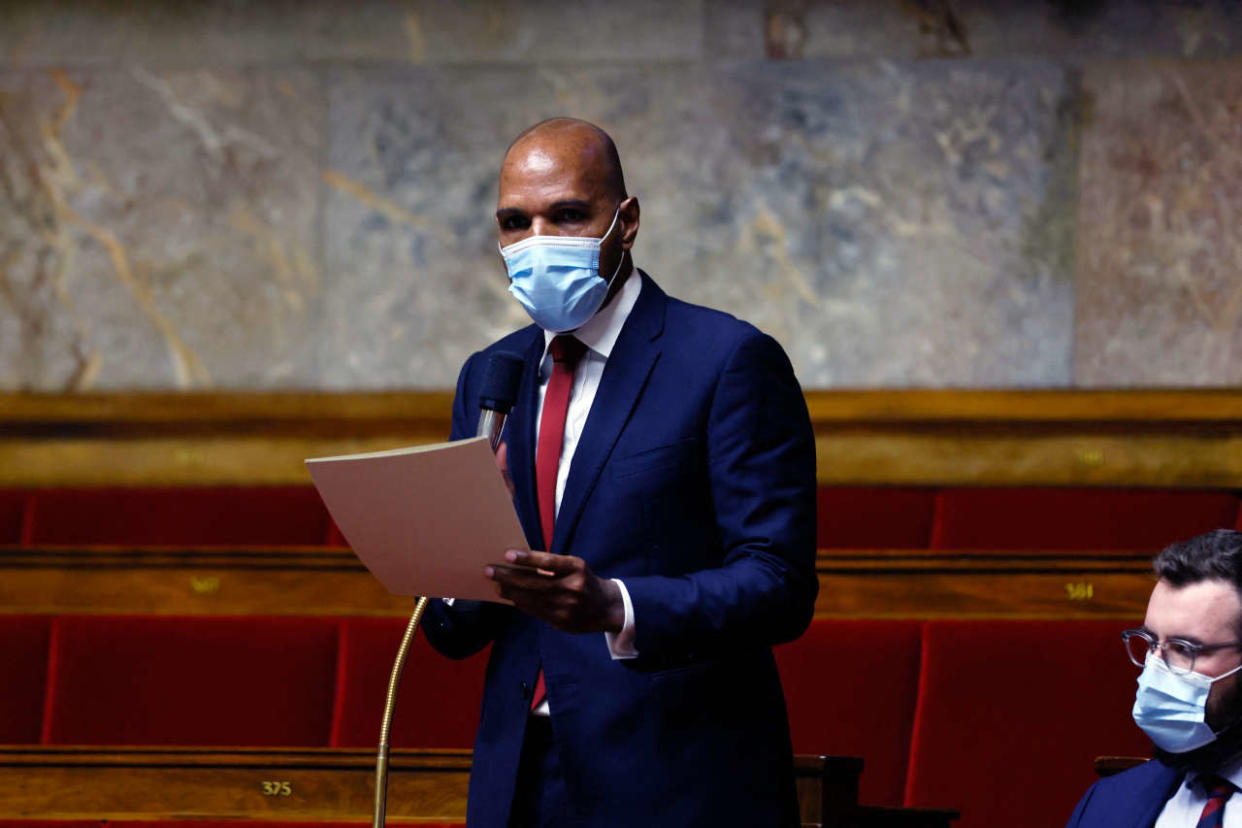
(1226, 745)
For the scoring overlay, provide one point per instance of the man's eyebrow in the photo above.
(1189, 639)
(572, 202)
(505, 212)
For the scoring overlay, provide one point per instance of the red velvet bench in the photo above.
(851, 688)
(438, 702)
(227, 681)
(190, 516)
(875, 517)
(1025, 703)
(23, 652)
(1077, 518)
(850, 517)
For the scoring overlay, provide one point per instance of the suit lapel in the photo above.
(521, 443)
(1167, 780)
(1141, 811)
(625, 375)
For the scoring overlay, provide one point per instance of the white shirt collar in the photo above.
(600, 332)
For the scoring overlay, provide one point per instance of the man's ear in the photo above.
(629, 214)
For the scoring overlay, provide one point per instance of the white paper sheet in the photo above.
(425, 520)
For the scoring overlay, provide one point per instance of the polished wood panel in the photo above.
(1189, 438)
(983, 584)
(327, 581)
(324, 784)
(186, 784)
(827, 788)
(186, 581)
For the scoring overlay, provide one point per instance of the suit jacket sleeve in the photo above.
(461, 630)
(761, 473)
(1075, 820)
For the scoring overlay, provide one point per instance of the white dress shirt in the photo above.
(1183, 808)
(599, 334)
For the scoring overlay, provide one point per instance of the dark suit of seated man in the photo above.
(1189, 699)
(632, 681)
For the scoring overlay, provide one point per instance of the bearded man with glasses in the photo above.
(1189, 698)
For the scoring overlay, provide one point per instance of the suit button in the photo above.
(524, 688)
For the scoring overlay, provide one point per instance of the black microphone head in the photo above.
(501, 377)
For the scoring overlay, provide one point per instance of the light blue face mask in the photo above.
(1170, 707)
(556, 278)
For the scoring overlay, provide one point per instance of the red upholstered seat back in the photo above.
(23, 676)
(12, 510)
(1026, 703)
(439, 700)
(1076, 518)
(875, 518)
(191, 681)
(268, 515)
(851, 688)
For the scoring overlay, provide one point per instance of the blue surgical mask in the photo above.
(1170, 707)
(556, 278)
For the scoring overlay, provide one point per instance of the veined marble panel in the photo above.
(158, 229)
(173, 34)
(892, 224)
(1160, 245)
(734, 29)
(410, 188)
(1002, 28)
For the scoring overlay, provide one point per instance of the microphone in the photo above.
(501, 379)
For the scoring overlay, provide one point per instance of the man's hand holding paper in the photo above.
(559, 589)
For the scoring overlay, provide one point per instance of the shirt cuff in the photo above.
(621, 644)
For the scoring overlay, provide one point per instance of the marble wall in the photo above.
(279, 194)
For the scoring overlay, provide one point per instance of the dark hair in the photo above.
(1216, 555)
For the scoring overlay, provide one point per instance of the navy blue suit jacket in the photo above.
(693, 482)
(1132, 799)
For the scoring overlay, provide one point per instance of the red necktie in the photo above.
(1218, 791)
(566, 351)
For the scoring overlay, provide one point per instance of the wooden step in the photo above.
(186, 784)
(63, 783)
(1179, 438)
(328, 581)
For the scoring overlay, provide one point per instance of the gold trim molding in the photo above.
(1167, 438)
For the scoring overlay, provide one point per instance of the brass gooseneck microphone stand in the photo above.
(394, 681)
(501, 379)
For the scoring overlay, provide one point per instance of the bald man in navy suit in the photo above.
(683, 544)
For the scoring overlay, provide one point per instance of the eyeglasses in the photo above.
(1179, 654)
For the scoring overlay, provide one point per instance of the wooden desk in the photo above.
(327, 581)
(922, 583)
(326, 784)
(1178, 438)
(186, 784)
